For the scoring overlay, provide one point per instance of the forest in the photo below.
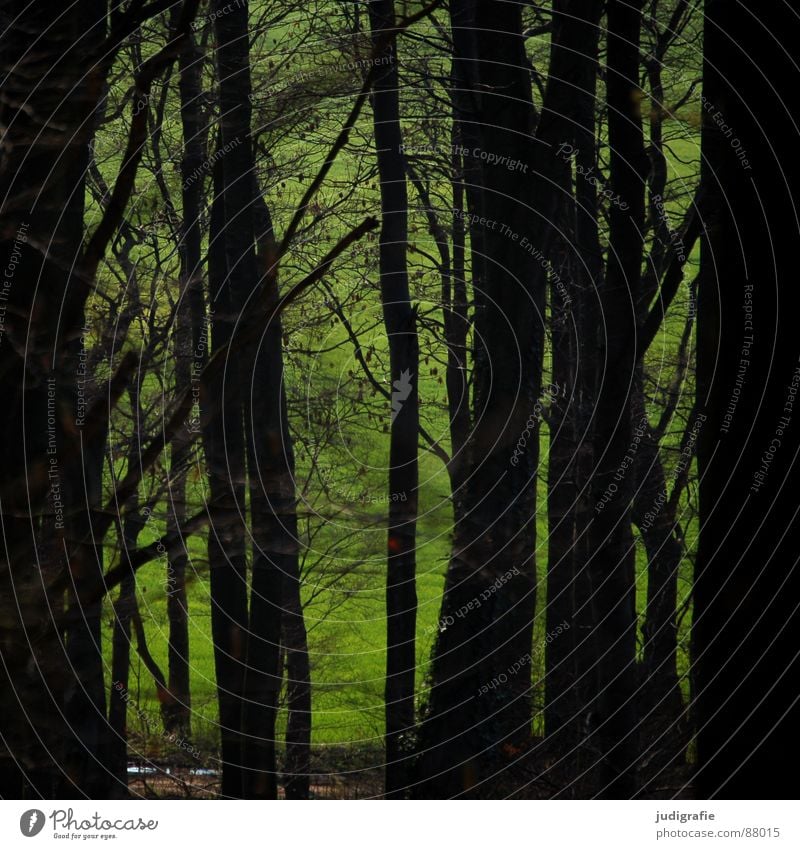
(398, 399)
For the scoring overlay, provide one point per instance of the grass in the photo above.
(346, 618)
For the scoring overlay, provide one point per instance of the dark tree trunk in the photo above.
(275, 568)
(456, 329)
(467, 130)
(177, 712)
(467, 210)
(262, 673)
(274, 498)
(480, 696)
(655, 515)
(190, 357)
(52, 715)
(120, 669)
(613, 727)
(178, 709)
(223, 436)
(275, 532)
(567, 128)
(124, 610)
(85, 701)
(276, 590)
(400, 322)
(454, 319)
(746, 622)
(297, 770)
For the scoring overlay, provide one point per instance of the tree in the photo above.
(576, 258)
(746, 618)
(42, 385)
(487, 610)
(400, 323)
(614, 722)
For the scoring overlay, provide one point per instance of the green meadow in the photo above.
(342, 458)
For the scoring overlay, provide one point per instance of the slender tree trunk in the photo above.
(400, 322)
(178, 711)
(124, 610)
(85, 702)
(654, 514)
(456, 329)
(297, 771)
(614, 721)
(275, 569)
(467, 211)
(120, 669)
(223, 436)
(190, 357)
(262, 673)
(454, 319)
(275, 519)
(567, 127)
(180, 708)
(276, 606)
(467, 129)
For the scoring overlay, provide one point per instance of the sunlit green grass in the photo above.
(346, 622)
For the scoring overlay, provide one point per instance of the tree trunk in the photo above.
(52, 715)
(400, 322)
(262, 672)
(223, 437)
(654, 514)
(480, 696)
(456, 330)
(124, 610)
(297, 770)
(746, 622)
(613, 727)
(190, 357)
(567, 128)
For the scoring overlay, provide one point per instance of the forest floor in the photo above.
(516, 776)
(161, 781)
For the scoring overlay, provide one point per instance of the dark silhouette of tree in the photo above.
(613, 720)
(488, 631)
(745, 624)
(568, 124)
(169, 191)
(400, 324)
